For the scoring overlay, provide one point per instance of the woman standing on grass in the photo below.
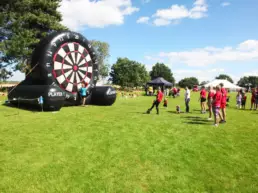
(210, 100)
(253, 103)
(216, 105)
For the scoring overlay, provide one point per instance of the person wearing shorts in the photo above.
(83, 93)
(223, 104)
(203, 100)
(216, 104)
(210, 98)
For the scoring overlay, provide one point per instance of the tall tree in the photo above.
(23, 24)
(102, 50)
(246, 80)
(225, 77)
(161, 70)
(128, 73)
(189, 82)
(4, 74)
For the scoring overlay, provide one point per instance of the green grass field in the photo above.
(120, 149)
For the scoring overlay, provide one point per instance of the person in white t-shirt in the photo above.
(187, 99)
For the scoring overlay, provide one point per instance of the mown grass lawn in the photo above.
(120, 149)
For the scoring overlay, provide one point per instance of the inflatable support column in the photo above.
(60, 64)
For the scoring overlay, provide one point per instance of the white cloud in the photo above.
(175, 13)
(143, 20)
(246, 51)
(224, 4)
(98, 13)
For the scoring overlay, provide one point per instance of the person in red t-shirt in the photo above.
(212, 91)
(156, 102)
(203, 100)
(216, 104)
(223, 103)
(253, 99)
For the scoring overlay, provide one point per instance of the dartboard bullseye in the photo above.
(72, 66)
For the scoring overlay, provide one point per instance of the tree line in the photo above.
(24, 22)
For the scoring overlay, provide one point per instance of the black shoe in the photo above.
(222, 121)
(148, 111)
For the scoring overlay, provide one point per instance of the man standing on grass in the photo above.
(203, 100)
(217, 98)
(187, 99)
(156, 102)
(223, 104)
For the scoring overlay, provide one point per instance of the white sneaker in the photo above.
(209, 119)
(215, 125)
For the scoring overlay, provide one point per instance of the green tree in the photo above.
(23, 24)
(204, 82)
(246, 80)
(189, 82)
(161, 70)
(4, 74)
(225, 77)
(102, 50)
(128, 73)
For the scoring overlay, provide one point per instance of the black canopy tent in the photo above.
(160, 82)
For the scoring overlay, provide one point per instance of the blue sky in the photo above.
(200, 38)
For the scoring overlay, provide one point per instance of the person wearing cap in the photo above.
(223, 104)
(156, 102)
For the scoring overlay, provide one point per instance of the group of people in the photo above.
(241, 99)
(217, 102)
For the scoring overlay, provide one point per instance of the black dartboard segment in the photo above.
(72, 66)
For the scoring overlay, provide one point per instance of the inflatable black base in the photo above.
(54, 98)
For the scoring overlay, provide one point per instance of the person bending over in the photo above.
(156, 102)
(203, 100)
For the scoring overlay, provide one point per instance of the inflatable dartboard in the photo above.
(68, 60)
(60, 64)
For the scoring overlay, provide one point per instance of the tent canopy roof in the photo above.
(226, 84)
(160, 82)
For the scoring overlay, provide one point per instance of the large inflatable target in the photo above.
(70, 61)
(60, 64)
(72, 66)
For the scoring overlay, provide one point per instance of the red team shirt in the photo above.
(203, 93)
(217, 98)
(211, 95)
(224, 96)
(159, 96)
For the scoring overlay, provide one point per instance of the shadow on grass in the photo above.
(196, 120)
(32, 109)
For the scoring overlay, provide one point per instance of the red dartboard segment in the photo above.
(72, 65)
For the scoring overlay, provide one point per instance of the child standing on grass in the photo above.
(216, 105)
(239, 100)
(83, 93)
(244, 100)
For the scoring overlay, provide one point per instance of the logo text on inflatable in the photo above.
(55, 94)
(111, 92)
